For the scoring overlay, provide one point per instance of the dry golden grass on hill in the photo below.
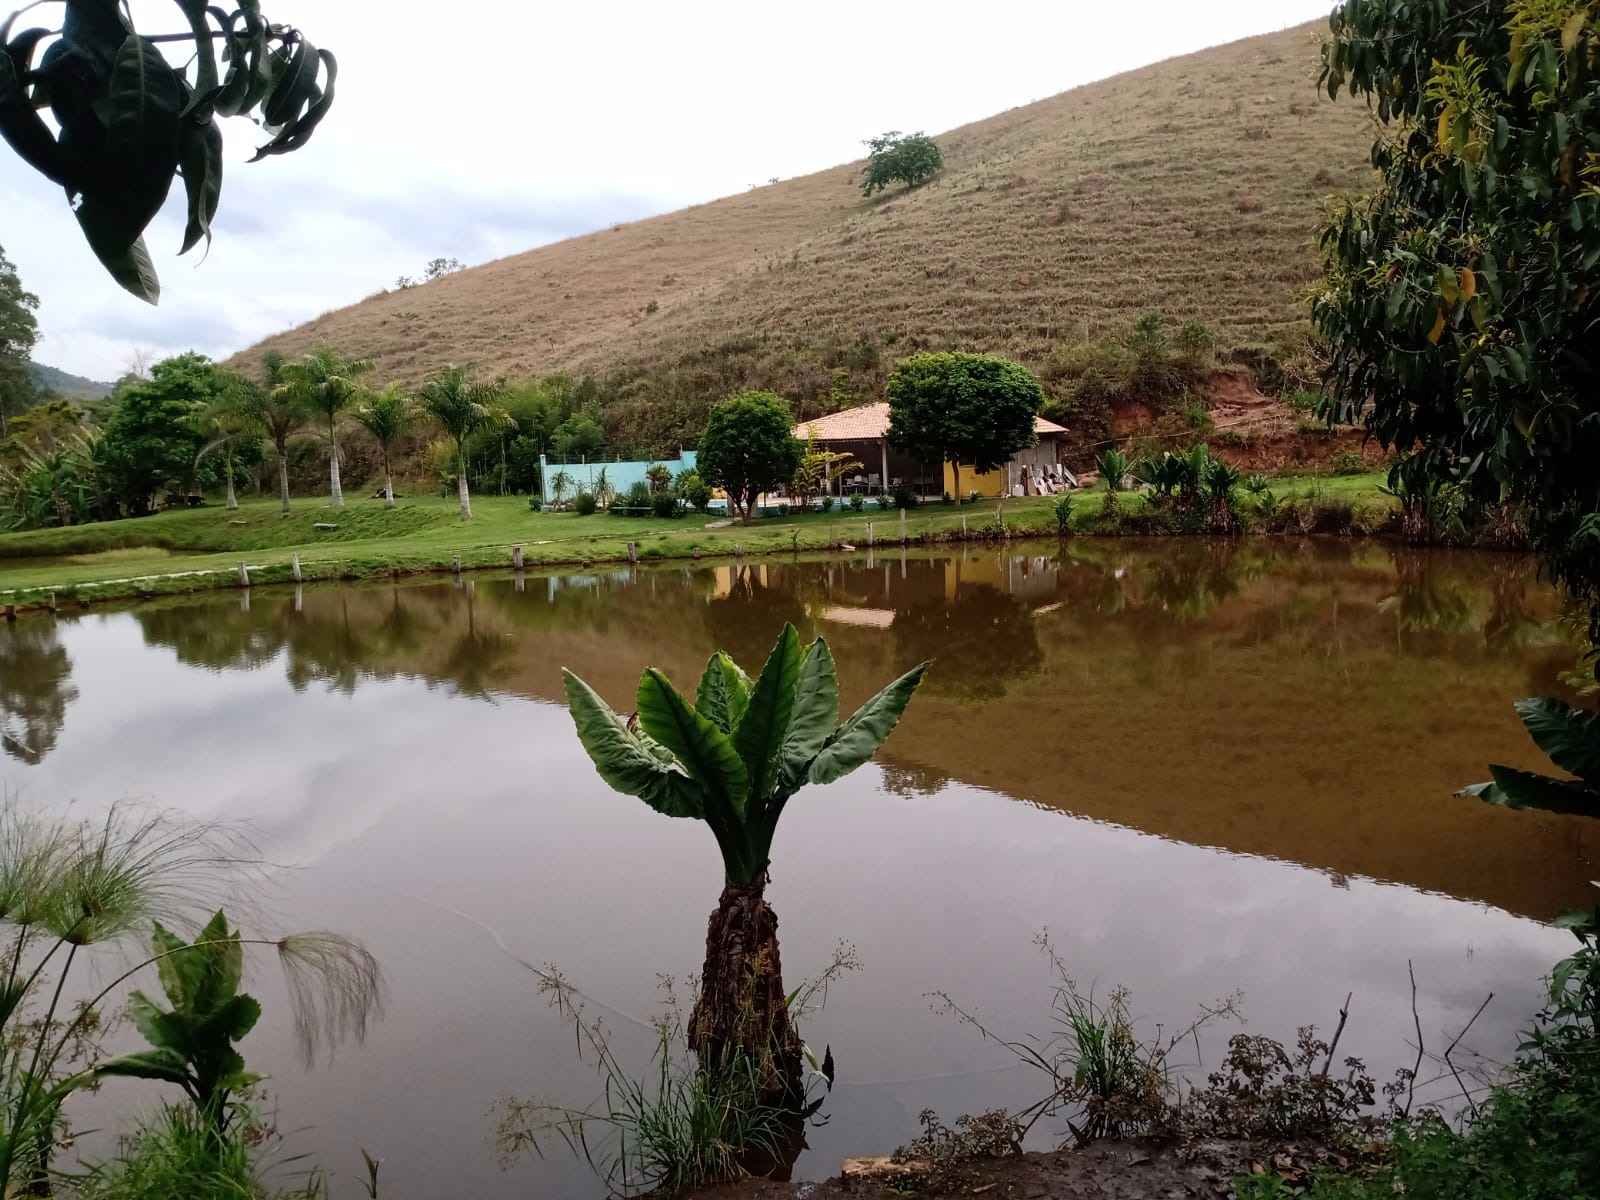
(1192, 186)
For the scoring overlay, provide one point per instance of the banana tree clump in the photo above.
(733, 758)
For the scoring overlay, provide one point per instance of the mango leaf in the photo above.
(200, 161)
(816, 716)
(1569, 736)
(724, 692)
(629, 763)
(295, 85)
(704, 751)
(298, 132)
(205, 53)
(1523, 789)
(858, 739)
(761, 733)
(142, 131)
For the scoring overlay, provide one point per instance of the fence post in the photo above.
(54, 607)
(244, 574)
(516, 557)
(11, 612)
(633, 552)
(963, 527)
(869, 535)
(294, 565)
(902, 527)
(455, 563)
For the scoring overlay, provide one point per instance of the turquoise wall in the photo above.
(620, 475)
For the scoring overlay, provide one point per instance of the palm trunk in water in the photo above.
(283, 480)
(227, 466)
(333, 467)
(742, 1009)
(461, 484)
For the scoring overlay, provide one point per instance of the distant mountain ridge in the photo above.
(65, 383)
(1192, 186)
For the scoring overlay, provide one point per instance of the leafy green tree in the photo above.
(749, 448)
(1460, 299)
(958, 408)
(462, 404)
(817, 470)
(150, 441)
(271, 410)
(692, 490)
(19, 333)
(579, 438)
(325, 383)
(734, 758)
(388, 416)
(911, 159)
(225, 430)
(127, 122)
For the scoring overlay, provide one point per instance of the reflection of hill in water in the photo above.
(1312, 703)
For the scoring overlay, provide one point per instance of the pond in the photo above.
(1200, 766)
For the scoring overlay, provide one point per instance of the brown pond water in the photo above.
(1201, 766)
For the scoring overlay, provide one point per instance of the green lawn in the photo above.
(198, 548)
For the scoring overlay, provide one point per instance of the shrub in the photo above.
(664, 504)
(1062, 509)
(639, 497)
(885, 502)
(905, 496)
(827, 503)
(857, 502)
(783, 510)
(911, 159)
(584, 504)
(1346, 461)
(535, 503)
(694, 491)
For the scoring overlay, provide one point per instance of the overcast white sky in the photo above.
(477, 130)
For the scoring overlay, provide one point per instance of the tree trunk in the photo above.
(955, 467)
(742, 1007)
(333, 467)
(461, 484)
(283, 480)
(388, 486)
(227, 467)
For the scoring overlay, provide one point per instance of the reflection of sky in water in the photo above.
(400, 802)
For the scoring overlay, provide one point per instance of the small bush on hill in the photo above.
(911, 159)
(584, 504)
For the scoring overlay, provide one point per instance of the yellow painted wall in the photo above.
(988, 483)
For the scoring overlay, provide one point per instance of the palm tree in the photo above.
(222, 424)
(462, 404)
(559, 483)
(326, 383)
(272, 411)
(733, 758)
(388, 416)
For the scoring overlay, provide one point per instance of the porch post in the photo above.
(884, 446)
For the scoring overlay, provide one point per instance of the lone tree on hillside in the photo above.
(911, 159)
(462, 404)
(19, 332)
(1461, 299)
(749, 448)
(960, 408)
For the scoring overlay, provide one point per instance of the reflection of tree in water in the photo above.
(1510, 626)
(981, 642)
(747, 621)
(911, 779)
(1200, 576)
(35, 689)
(212, 635)
(1423, 600)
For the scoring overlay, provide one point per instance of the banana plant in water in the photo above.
(1571, 738)
(733, 758)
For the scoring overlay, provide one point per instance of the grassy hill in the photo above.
(66, 384)
(1191, 186)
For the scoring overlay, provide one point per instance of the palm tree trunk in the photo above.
(333, 467)
(742, 1009)
(283, 479)
(227, 467)
(461, 482)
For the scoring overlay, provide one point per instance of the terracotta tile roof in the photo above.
(870, 422)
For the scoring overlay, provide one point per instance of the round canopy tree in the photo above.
(911, 159)
(960, 408)
(19, 331)
(1461, 298)
(748, 448)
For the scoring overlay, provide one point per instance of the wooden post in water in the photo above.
(299, 597)
(516, 557)
(54, 607)
(244, 574)
(294, 566)
(455, 563)
(633, 552)
(11, 612)
(521, 583)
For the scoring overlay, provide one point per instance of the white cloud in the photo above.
(510, 124)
